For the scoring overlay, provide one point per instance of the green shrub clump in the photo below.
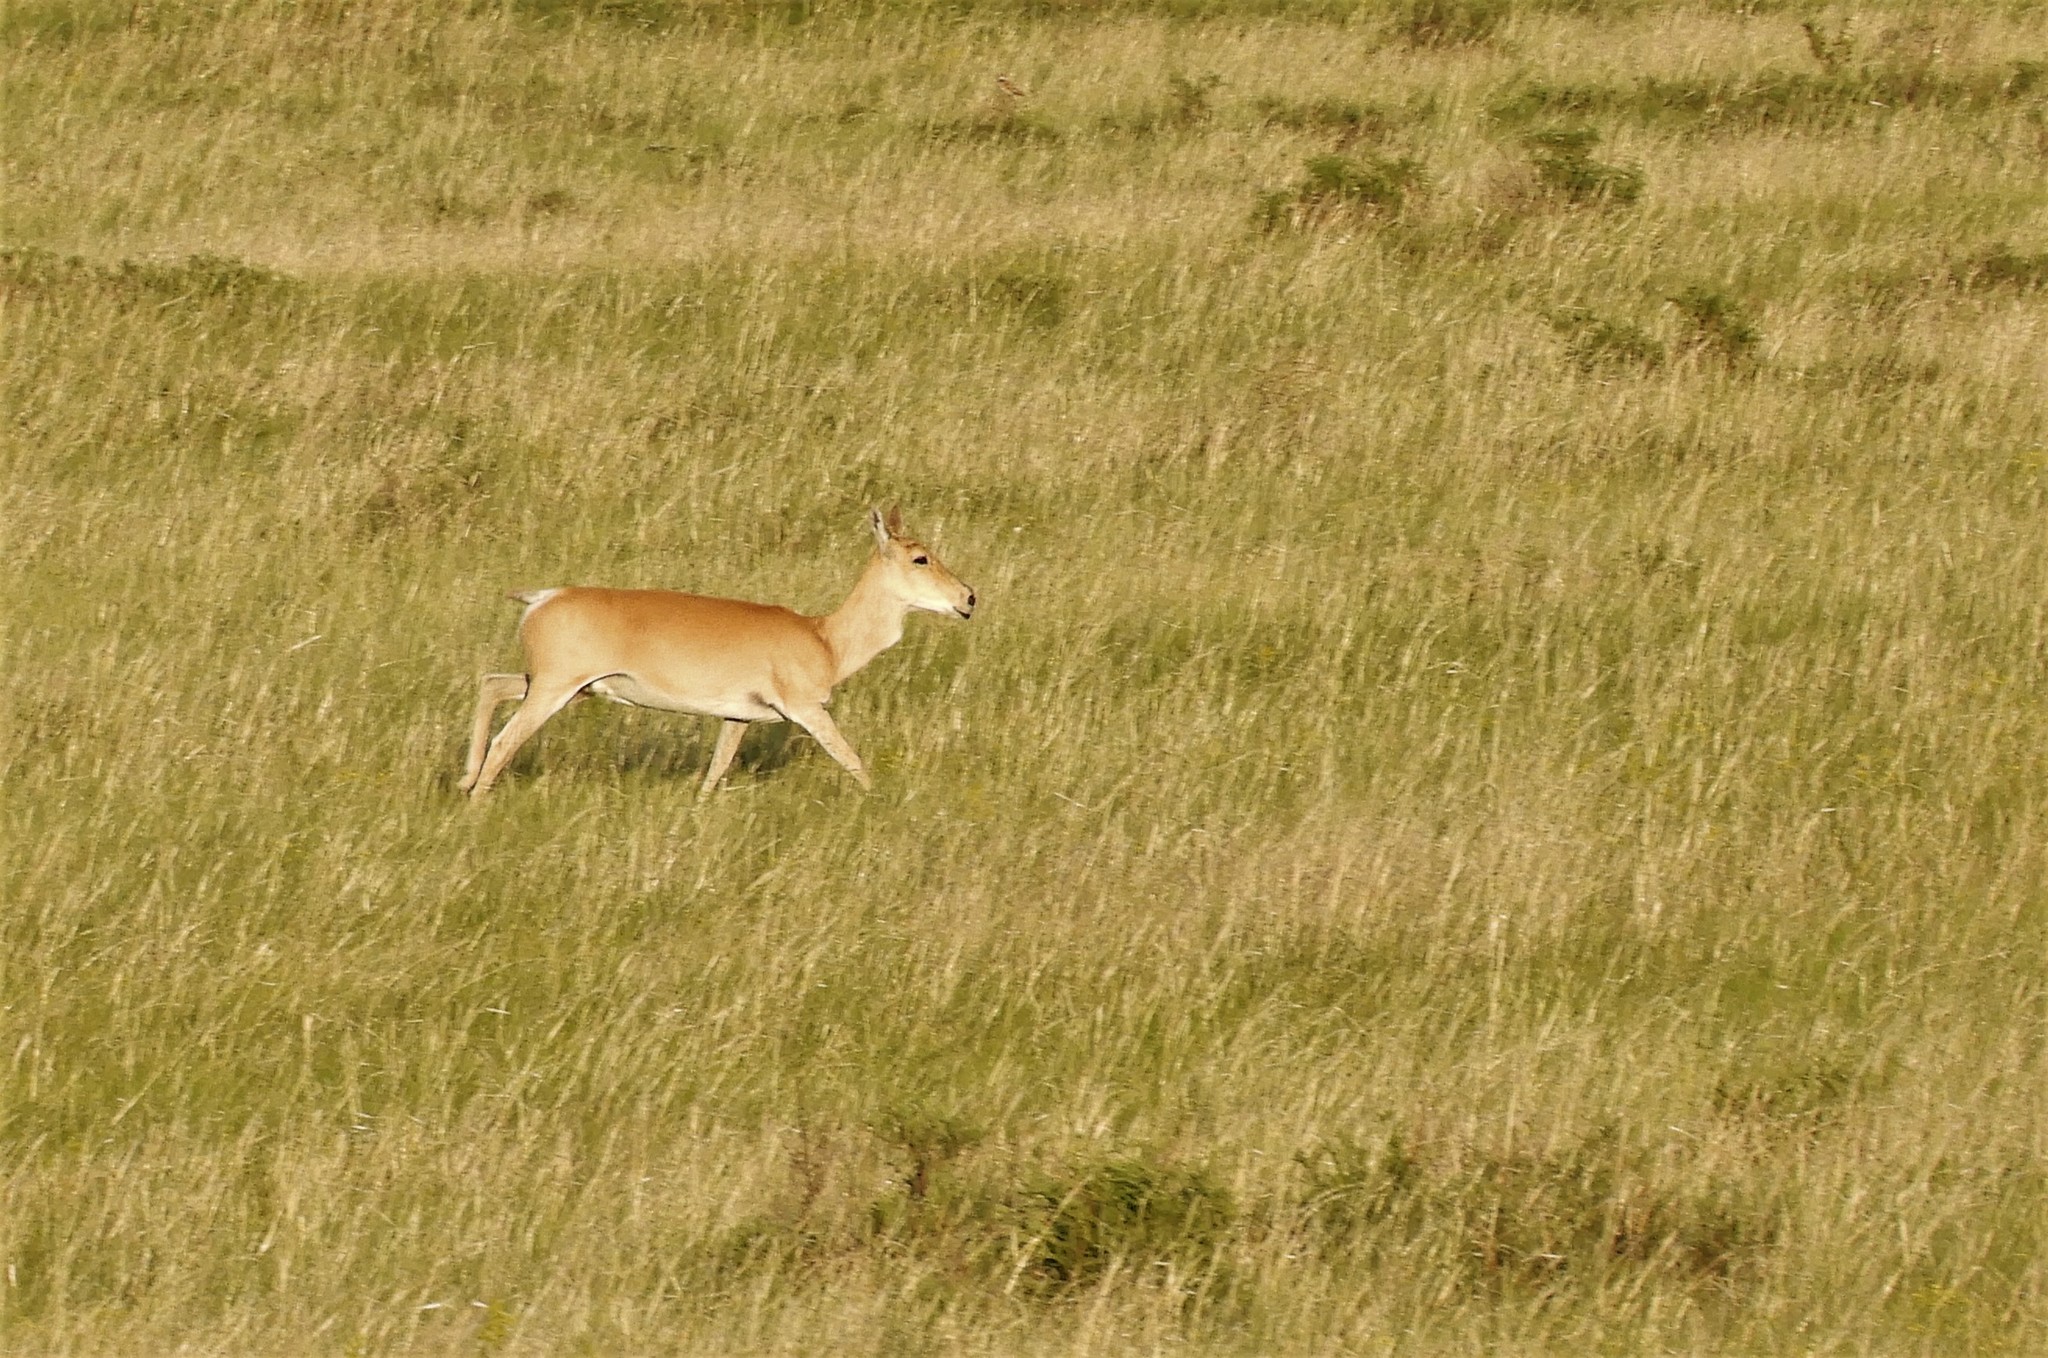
(1595, 341)
(1717, 324)
(1564, 163)
(2001, 266)
(1334, 185)
(1126, 1213)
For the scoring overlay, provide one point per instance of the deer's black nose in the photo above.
(970, 598)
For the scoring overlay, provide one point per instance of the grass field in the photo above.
(1495, 800)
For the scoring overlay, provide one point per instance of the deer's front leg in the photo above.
(818, 722)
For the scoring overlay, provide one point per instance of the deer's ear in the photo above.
(895, 521)
(881, 529)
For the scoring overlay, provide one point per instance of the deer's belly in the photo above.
(625, 688)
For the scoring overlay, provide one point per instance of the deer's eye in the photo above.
(920, 561)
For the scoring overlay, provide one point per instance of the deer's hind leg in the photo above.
(543, 700)
(495, 691)
(729, 733)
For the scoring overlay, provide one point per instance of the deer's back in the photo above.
(693, 651)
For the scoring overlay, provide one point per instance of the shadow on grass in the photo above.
(680, 748)
(592, 745)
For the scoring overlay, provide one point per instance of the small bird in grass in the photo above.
(1009, 87)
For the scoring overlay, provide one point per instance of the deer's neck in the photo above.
(867, 624)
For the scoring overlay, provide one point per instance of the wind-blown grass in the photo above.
(1493, 801)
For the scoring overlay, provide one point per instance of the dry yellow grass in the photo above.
(1487, 806)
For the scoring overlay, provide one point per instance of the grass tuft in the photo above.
(1563, 159)
(1731, 103)
(1717, 324)
(2001, 267)
(1132, 1216)
(1449, 23)
(1349, 120)
(1336, 186)
(1595, 341)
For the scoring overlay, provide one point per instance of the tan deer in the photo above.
(742, 662)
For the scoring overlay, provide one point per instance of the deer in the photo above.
(727, 658)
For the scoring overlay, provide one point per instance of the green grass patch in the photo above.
(1825, 100)
(1563, 159)
(1336, 187)
(1492, 800)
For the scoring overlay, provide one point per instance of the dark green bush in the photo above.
(1717, 323)
(2000, 266)
(1332, 185)
(1564, 163)
(1128, 1212)
(1595, 341)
